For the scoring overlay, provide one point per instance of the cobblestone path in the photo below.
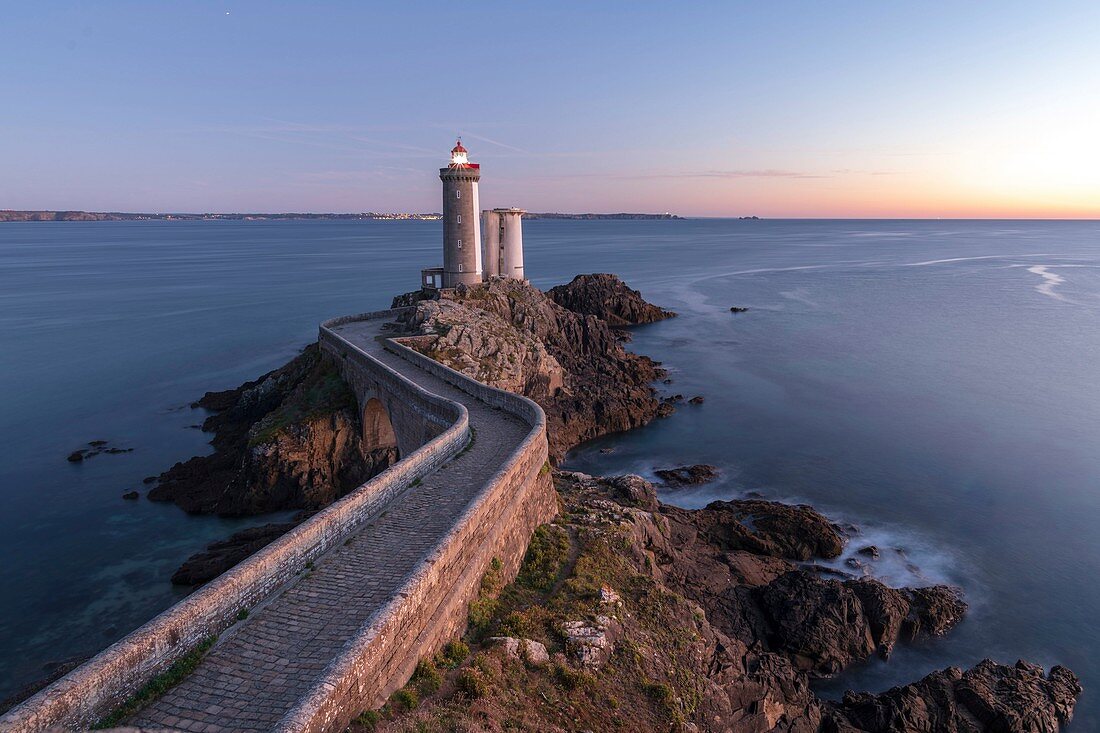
(262, 666)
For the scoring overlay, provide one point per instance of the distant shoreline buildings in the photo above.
(11, 215)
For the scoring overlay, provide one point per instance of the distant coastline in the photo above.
(22, 216)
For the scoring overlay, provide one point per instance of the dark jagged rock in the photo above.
(987, 697)
(665, 409)
(700, 473)
(97, 447)
(820, 625)
(633, 490)
(511, 335)
(738, 309)
(412, 298)
(609, 299)
(825, 625)
(221, 555)
(131, 495)
(697, 400)
(791, 531)
(869, 551)
(289, 440)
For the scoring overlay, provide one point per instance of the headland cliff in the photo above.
(627, 614)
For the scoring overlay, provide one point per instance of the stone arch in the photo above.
(377, 428)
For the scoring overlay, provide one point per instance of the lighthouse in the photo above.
(461, 220)
(467, 260)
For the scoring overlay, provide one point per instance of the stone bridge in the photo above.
(340, 609)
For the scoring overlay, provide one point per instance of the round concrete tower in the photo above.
(461, 220)
(511, 242)
(490, 249)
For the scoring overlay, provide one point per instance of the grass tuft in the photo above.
(159, 685)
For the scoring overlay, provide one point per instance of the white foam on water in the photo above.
(905, 557)
(1050, 282)
(949, 260)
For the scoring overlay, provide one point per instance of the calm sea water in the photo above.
(935, 383)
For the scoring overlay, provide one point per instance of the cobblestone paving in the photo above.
(264, 665)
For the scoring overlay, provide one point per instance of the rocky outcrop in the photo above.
(95, 448)
(289, 440)
(511, 335)
(820, 625)
(660, 618)
(609, 299)
(699, 473)
(986, 697)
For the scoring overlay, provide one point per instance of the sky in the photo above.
(776, 109)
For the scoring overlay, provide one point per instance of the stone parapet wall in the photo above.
(432, 607)
(416, 422)
(103, 683)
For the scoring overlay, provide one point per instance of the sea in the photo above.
(935, 384)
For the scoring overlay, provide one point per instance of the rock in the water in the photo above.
(826, 625)
(221, 555)
(97, 447)
(697, 400)
(987, 697)
(608, 298)
(791, 531)
(699, 473)
(131, 495)
(665, 409)
(869, 551)
(738, 309)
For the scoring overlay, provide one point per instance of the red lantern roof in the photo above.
(458, 148)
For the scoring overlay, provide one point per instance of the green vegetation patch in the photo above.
(454, 653)
(159, 685)
(321, 392)
(483, 609)
(426, 678)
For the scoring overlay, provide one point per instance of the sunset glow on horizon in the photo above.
(862, 110)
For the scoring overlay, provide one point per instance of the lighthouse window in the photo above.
(460, 218)
(460, 244)
(458, 194)
(460, 267)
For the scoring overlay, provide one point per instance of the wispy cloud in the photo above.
(499, 144)
(726, 174)
(757, 173)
